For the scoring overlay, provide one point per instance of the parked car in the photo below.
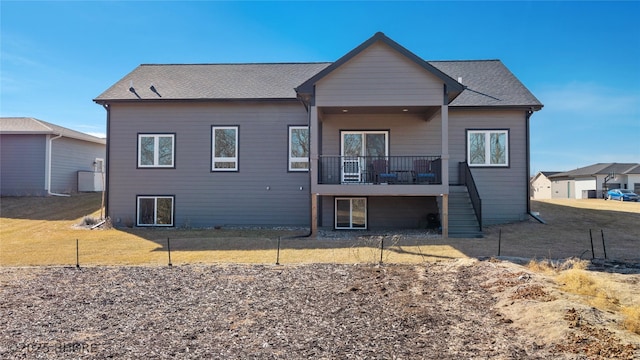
(622, 195)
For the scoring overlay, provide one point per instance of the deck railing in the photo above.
(466, 178)
(387, 170)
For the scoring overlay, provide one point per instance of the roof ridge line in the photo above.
(43, 123)
(253, 63)
(465, 60)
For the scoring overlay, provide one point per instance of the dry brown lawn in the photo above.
(43, 231)
(566, 233)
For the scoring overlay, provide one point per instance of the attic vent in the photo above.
(460, 79)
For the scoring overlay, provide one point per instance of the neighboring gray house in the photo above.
(593, 181)
(378, 139)
(38, 158)
(541, 185)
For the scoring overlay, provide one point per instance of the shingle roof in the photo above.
(31, 126)
(624, 168)
(601, 169)
(634, 170)
(213, 81)
(488, 82)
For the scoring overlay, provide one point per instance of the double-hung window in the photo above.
(224, 143)
(155, 211)
(298, 148)
(488, 148)
(156, 150)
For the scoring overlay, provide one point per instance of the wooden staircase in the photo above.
(463, 222)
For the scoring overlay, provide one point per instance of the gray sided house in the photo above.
(38, 158)
(378, 139)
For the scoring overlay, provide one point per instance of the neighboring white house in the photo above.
(38, 158)
(541, 185)
(595, 180)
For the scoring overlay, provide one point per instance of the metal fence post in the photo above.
(77, 254)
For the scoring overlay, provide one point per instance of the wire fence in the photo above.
(378, 249)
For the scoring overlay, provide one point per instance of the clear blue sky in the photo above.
(581, 59)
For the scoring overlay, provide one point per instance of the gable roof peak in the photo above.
(452, 84)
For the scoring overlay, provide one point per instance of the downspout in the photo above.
(308, 108)
(49, 166)
(106, 162)
(528, 192)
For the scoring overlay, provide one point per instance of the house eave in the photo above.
(191, 100)
(494, 107)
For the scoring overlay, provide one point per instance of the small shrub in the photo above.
(89, 221)
(541, 266)
(580, 282)
(604, 300)
(549, 266)
(632, 318)
(367, 248)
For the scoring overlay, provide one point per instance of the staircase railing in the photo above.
(467, 179)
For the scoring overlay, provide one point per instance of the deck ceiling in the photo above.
(426, 111)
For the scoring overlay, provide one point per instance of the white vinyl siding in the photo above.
(156, 150)
(225, 148)
(488, 148)
(155, 211)
(68, 156)
(298, 148)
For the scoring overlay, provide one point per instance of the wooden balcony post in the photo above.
(445, 216)
(445, 144)
(314, 214)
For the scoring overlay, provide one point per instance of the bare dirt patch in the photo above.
(457, 309)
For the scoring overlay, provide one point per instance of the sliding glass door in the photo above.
(351, 213)
(364, 143)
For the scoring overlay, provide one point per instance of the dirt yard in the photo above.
(455, 309)
(432, 299)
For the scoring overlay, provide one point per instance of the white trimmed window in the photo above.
(298, 148)
(351, 213)
(156, 150)
(155, 211)
(488, 148)
(224, 140)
